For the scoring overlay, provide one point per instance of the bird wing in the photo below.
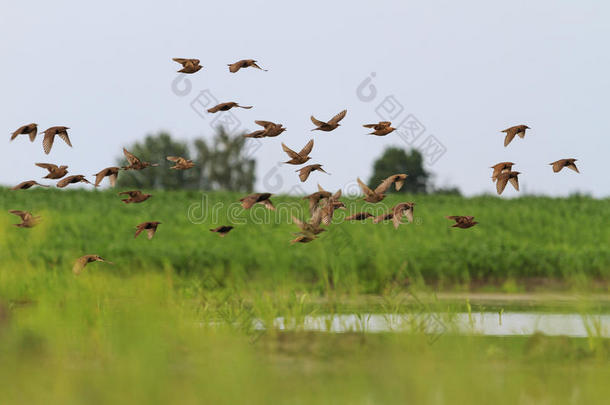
(18, 132)
(131, 158)
(131, 193)
(290, 152)
(510, 135)
(385, 184)
(234, 67)
(320, 189)
(150, 233)
(558, 165)
(65, 181)
(113, 178)
(365, 189)
(317, 122)
(247, 107)
(80, 264)
(501, 183)
(33, 133)
(334, 120)
(396, 217)
(47, 142)
(268, 204)
(265, 124)
(515, 182)
(173, 158)
(369, 125)
(99, 177)
(22, 214)
(139, 230)
(64, 135)
(48, 166)
(248, 201)
(304, 172)
(306, 149)
(573, 167)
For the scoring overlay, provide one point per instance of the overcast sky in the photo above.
(464, 70)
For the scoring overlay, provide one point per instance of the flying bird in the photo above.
(51, 133)
(244, 63)
(227, 106)
(301, 157)
(55, 172)
(78, 178)
(330, 125)
(135, 163)
(500, 168)
(257, 198)
(312, 226)
(328, 210)
(188, 65)
(304, 237)
(406, 209)
(512, 131)
(135, 196)
(380, 129)
(316, 198)
(111, 172)
(30, 129)
(27, 184)
(149, 227)
(359, 216)
(180, 163)
(222, 231)
(305, 171)
(383, 217)
(463, 222)
(81, 262)
(561, 163)
(377, 195)
(27, 219)
(270, 130)
(504, 178)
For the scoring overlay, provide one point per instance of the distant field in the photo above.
(524, 238)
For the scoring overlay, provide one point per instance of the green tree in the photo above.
(221, 164)
(155, 149)
(396, 160)
(224, 164)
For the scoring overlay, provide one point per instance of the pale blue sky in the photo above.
(466, 70)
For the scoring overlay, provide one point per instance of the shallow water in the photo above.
(483, 323)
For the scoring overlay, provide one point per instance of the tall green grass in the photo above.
(524, 238)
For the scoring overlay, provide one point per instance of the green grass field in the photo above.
(526, 238)
(173, 321)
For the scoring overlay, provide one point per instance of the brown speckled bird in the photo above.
(270, 130)
(561, 163)
(462, 221)
(222, 230)
(188, 65)
(244, 63)
(500, 168)
(135, 163)
(359, 216)
(380, 129)
(257, 198)
(304, 237)
(81, 262)
(305, 171)
(316, 198)
(111, 172)
(301, 157)
(49, 137)
(78, 178)
(383, 217)
(27, 184)
(512, 131)
(330, 125)
(227, 106)
(504, 178)
(55, 172)
(135, 196)
(406, 209)
(30, 129)
(27, 219)
(149, 227)
(312, 226)
(180, 163)
(377, 195)
(328, 210)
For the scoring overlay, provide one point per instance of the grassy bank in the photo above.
(525, 238)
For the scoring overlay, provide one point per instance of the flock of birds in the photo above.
(322, 204)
